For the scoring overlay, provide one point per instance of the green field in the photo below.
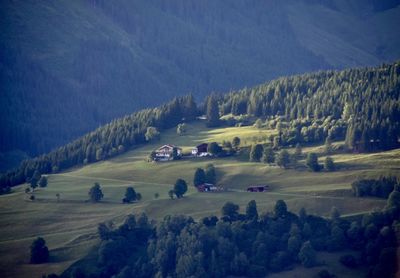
(69, 226)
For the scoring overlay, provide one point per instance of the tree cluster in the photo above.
(248, 244)
(106, 141)
(380, 187)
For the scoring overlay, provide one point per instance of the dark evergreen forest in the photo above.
(361, 106)
(242, 245)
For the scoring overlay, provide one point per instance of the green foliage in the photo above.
(380, 187)
(152, 134)
(256, 153)
(268, 155)
(39, 251)
(236, 142)
(258, 123)
(95, 193)
(280, 208)
(181, 129)
(214, 149)
(283, 159)
(329, 165)
(394, 200)
(328, 145)
(130, 195)
(210, 174)
(230, 210)
(199, 177)
(43, 181)
(251, 210)
(212, 112)
(312, 162)
(307, 255)
(105, 141)
(180, 188)
(33, 181)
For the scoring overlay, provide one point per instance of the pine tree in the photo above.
(307, 255)
(329, 165)
(199, 177)
(328, 145)
(256, 153)
(251, 210)
(312, 162)
(95, 193)
(268, 155)
(283, 159)
(212, 112)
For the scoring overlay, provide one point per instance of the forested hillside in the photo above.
(67, 67)
(361, 106)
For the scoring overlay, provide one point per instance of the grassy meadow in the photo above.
(69, 225)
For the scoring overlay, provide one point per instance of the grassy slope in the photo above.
(69, 226)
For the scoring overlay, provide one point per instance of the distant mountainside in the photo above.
(67, 67)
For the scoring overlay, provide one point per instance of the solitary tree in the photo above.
(256, 152)
(58, 196)
(181, 129)
(39, 251)
(199, 177)
(329, 165)
(211, 175)
(212, 112)
(43, 181)
(283, 159)
(152, 134)
(130, 195)
(312, 162)
(258, 124)
(236, 143)
(156, 195)
(180, 188)
(95, 193)
(34, 180)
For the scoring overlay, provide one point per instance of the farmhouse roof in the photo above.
(169, 146)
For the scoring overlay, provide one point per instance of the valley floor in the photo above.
(69, 225)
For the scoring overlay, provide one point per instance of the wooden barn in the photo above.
(257, 188)
(200, 150)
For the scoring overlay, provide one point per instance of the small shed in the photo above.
(257, 188)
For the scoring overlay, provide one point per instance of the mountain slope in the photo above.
(69, 66)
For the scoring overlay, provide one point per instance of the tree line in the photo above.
(243, 244)
(359, 105)
(106, 141)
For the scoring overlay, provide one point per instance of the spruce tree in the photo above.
(212, 112)
(256, 153)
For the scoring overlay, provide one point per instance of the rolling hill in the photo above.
(68, 66)
(69, 225)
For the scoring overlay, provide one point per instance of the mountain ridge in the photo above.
(70, 66)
